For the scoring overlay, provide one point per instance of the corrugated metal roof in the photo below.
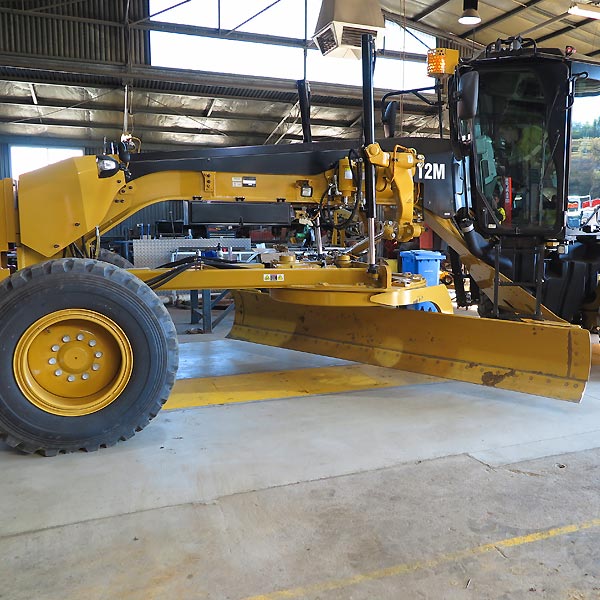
(545, 20)
(87, 29)
(75, 53)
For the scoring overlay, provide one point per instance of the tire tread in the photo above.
(104, 270)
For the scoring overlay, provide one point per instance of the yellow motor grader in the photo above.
(89, 352)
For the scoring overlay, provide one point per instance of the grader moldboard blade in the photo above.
(536, 358)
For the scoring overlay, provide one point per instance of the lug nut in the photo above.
(52, 361)
(71, 378)
(85, 376)
(58, 372)
(98, 355)
(66, 339)
(95, 367)
(92, 343)
(80, 336)
(55, 348)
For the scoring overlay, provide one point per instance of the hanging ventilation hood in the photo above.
(341, 24)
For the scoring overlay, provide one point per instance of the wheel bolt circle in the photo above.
(81, 337)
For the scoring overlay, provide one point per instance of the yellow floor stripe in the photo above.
(286, 384)
(402, 569)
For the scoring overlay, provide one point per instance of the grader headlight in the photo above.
(107, 166)
(306, 189)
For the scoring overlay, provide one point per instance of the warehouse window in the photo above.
(29, 158)
(401, 39)
(389, 73)
(225, 56)
(284, 19)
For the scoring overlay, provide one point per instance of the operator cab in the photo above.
(525, 107)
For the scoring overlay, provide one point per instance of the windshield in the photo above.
(517, 153)
(583, 208)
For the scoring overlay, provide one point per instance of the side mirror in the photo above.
(388, 118)
(468, 95)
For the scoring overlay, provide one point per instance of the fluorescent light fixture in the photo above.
(470, 16)
(591, 11)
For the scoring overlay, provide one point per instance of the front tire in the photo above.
(89, 356)
(112, 258)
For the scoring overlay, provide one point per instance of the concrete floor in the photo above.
(431, 489)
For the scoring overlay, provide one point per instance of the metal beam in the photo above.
(282, 121)
(257, 38)
(165, 109)
(564, 30)
(430, 9)
(543, 24)
(141, 75)
(408, 56)
(160, 12)
(57, 5)
(34, 97)
(145, 128)
(119, 72)
(102, 129)
(209, 32)
(50, 104)
(260, 12)
(114, 130)
(438, 33)
(210, 107)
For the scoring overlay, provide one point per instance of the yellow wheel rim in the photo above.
(73, 362)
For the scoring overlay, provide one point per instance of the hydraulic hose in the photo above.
(477, 244)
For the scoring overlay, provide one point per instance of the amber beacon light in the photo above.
(441, 62)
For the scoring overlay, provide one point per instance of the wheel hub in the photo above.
(74, 359)
(73, 362)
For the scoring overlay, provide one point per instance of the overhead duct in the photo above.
(341, 24)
